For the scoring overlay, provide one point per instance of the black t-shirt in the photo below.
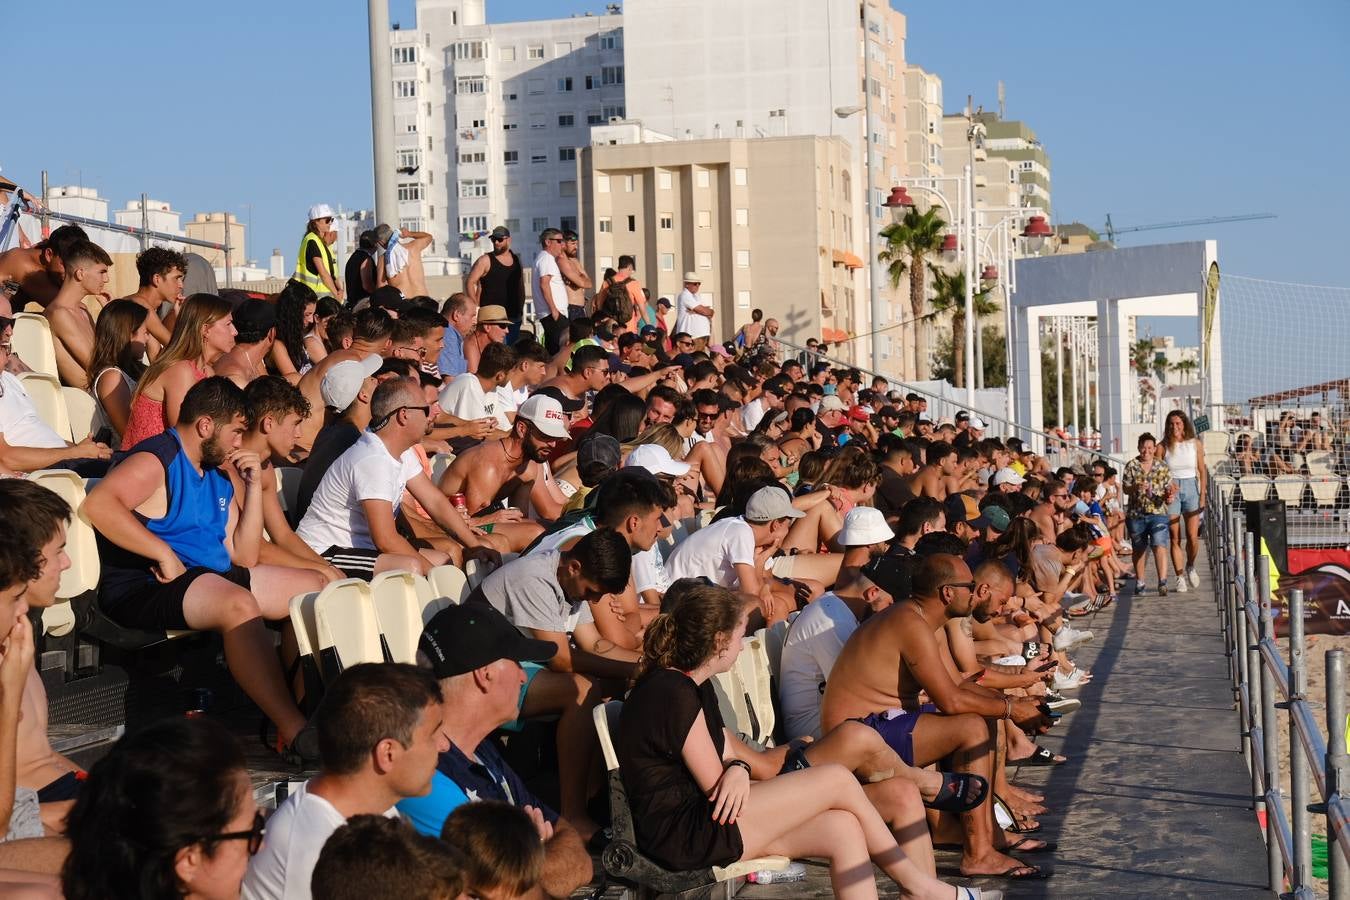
(671, 815)
(356, 292)
(892, 493)
(331, 443)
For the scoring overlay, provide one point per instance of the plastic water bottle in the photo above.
(795, 871)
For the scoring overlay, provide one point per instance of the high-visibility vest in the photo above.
(302, 273)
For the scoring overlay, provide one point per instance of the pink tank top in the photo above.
(147, 415)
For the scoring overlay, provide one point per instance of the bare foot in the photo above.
(1024, 794)
(995, 863)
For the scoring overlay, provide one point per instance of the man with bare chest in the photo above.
(932, 479)
(38, 270)
(895, 655)
(1052, 515)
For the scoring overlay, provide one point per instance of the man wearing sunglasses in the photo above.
(498, 279)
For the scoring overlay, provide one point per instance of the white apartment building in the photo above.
(487, 119)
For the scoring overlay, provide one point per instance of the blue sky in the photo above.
(1151, 111)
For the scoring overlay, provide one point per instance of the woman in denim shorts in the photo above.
(1185, 458)
(1148, 484)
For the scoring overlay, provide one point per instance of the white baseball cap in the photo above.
(657, 460)
(831, 402)
(546, 414)
(321, 211)
(1007, 475)
(976, 424)
(343, 382)
(769, 504)
(864, 525)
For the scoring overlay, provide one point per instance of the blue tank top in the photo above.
(198, 505)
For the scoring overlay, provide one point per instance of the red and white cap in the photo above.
(546, 414)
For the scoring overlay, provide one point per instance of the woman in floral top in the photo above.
(1149, 485)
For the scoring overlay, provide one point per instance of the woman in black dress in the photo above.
(689, 780)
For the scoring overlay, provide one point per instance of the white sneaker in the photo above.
(1139, 587)
(1180, 585)
(1071, 682)
(1062, 705)
(1194, 577)
(1068, 637)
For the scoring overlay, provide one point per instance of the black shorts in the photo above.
(352, 561)
(67, 787)
(147, 604)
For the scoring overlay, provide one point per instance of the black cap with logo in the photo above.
(462, 638)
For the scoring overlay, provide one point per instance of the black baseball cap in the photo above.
(462, 638)
(568, 404)
(893, 574)
(390, 299)
(501, 231)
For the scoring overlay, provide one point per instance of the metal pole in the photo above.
(1270, 777)
(1338, 769)
(229, 281)
(873, 283)
(1073, 369)
(1250, 638)
(970, 286)
(1009, 344)
(145, 224)
(1059, 373)
(46, 223)
(382, 113)
(1301, 819)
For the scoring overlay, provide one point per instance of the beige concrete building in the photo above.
(211, 227)
(924, 134)
(767, 223)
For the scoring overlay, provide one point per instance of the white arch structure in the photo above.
(1113, 285)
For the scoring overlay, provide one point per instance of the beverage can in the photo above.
(461, 502)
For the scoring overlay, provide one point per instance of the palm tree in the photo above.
(1185, 368)
(949, 295)
(909, 243)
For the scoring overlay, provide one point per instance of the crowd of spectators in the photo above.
(643, 497)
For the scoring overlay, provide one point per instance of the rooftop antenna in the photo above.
(1002, 102)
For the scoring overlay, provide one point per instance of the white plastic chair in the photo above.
(756, 678)
(1253, 488)
(1320, 462)
(32, 341)
(439, 463)
(45, 392)
(82, 412)
(1214, 443)
(1324, 489)
(81, 545)
(476, 570)
(402, 607)
(1289, 488)
(449, 582)
(288, 487)
(345, 623)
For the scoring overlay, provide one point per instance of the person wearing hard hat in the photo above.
(315, 266)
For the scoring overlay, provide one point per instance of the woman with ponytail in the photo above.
(702, 797)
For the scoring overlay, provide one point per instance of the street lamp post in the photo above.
(873, 282)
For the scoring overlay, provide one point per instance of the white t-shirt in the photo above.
(367, 471)
(507, 404)
(296, 833)
(751, 413)
(813, 644)
(545, 264)
(395, 258)
(464, 397)
(19, 420)
(714, 550)
(688, 321)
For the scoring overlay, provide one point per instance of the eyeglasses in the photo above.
(554, 241)
(684, 343)
(498, 240)
(707, 415)
(968, 585)
(254, 835)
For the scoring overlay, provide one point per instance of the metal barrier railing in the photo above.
(1259, 672)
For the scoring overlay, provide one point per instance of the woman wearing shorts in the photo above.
(1185, 458)
(1148, 484)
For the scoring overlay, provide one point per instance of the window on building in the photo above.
(412, 224)
(743, 299)
(566, 120)
(470, 85)
(602, 184)
(405, 89)
(410, 190)
(704, 218)
(568, 223)
(469, 157)
(405, 55)
(605, 225)
(628, 184)
(666, 221)
(467, 50)
(632, 223)
(667, 262)
(567, 188)
(742, 216)
(609, 41)
(538, 157)
(538, 120)
(534, 86)
(409, 159)
(479, 123)
(472, 224)
(567, 154)
(538, 224)
(606, 262)
(511, 157)
(508, 54)
(508, 95)
(742, 259)
(473, 187)
(740, 176)
(534, 51)
(564, 85)
(593, 117)
(701, 179)
(611, 74)
(663, 180)
(510, 126)
(592, 82)
(512, 225)
(615, 111)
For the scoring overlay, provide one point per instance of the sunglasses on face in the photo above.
(968, 585)
(254, 835)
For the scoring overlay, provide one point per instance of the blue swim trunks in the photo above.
(898, 730)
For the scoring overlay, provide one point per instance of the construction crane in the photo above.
(1111, 230)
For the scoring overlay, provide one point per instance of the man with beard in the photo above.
(177, 553)
(962, 718)
(514, 469)
(350, 519)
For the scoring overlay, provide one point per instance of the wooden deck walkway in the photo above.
(1154, 799)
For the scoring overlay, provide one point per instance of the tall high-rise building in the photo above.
(487, 119)
(1013, 162)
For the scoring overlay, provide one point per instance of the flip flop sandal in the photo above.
(1046, 847)
(959, 793)
(1029, 873)
(1006, 819)
(1039, 757)
(970, 893)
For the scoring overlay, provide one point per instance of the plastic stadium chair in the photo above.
(344, 617)
(1254, 488)
(1289, 488)
(81, 546)
(82, 412)
(402, 607)
(449, 582)
(45, 391)
(306, 644)
(1214, 443)
(439, 463)
(32, 341)
(622, 858)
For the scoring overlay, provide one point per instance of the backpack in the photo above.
(616, 303)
